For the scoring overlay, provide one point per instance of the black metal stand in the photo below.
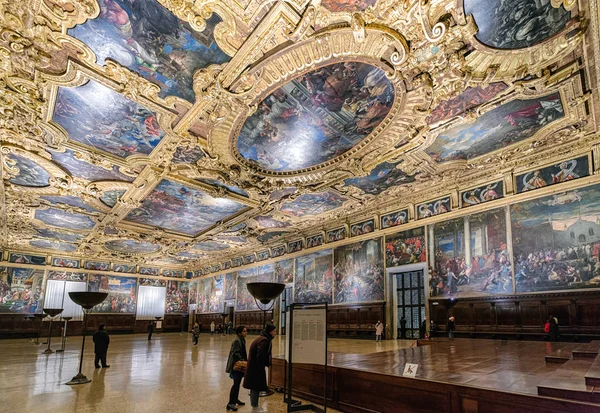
(64, 335)
(38, 317)
(294, 405)
(51, 312)
(80, 378)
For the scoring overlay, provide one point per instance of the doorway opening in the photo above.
(410, 292)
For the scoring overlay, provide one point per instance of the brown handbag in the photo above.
(240, 366)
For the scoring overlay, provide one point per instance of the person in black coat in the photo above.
(236, 353)
(150, 329)
(423, 328)
(101, 342)
(403, 327)
(450, 327)
(259, 358)
(554, 333)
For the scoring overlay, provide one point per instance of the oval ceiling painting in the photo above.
(316, 117)
(131, 246)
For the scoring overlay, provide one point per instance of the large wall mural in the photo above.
(122, 293)
(244, 300)
(97, 116)
(20, 290)
(177, 297)
(471, 256)
(556, 241)
(314, 278)
(500, 127)
(147, 38)
(406, 247)
(316, 117)
(516, 24)
(180, 208)
(358, 272)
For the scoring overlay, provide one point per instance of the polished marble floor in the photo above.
(167, 374)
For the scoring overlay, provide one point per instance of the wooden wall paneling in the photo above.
(482, 316)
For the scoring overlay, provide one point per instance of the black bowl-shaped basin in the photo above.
(265, 292)
(87, 299)
(52, 312)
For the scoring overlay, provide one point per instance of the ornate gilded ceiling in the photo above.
(200, 134)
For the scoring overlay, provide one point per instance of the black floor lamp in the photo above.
(87, 300)
(64, 335)
(51, 312)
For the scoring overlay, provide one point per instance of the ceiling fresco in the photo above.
(316, 117)
(200, 135)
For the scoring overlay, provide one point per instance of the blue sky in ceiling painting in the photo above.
(210, 246)
(85, 170)
(59, 236)
(30, 173)
(313, 204)
(52, 245)
(382, 177)
(69, 200)
(148, 39)
(131, 246)
(110, 198)
(63, 219)
(180, 208)
(219, 184)
(515, 24)
(99, 117)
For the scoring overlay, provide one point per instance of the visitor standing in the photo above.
(212, 328)
(195, 334)
(450, 327)
(554, 333)
(259, 358)
(236, 366)
(150, 329)
(101, 342)
(423, 328)
(403, 327)
(378, 330)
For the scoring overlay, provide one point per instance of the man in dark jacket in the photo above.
(101, 342)
(259, 358)
(150, 329)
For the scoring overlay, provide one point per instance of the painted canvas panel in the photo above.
(148, 271)
(210, 246)
(193, 292)
(430, 209)
(515, 24)
(152, 282)
(215, 268)
(172, 273)
(313, 204)
(482, 194)
(358, 272)
(26, 259)
(88, 171)
(187, 154)
(294, 246)
(394, 219)
(471, 256)
(203, 295)
(268, 236)
(267, 221)
(314, 241)
(130, 246)
(67, 276)
(180, 208)
(283, 271)
(126, 268)
(510, 123)
(336, 234)
(69, 200)
(316, 117)
(65, 262)
(278, 251)
(215, 304)
(97, 116)
(150, 40)
(52, 245)
(122, 293)
(470, 98)
(282, 193)
(382, 177)
(177, 298)
(63, 219)
(226, 265)
(230, 286)
(206, 270)
(59, 236)
(314, 277)
(361, 228)
(219, 184)
(556, 241)
(347, 6)
(237, 239)
(244, 300)
(554, 174)
(21, 290)
(262, 255)
(406, 247)
(26, 172)
(97, 265)
(236, 262)
(249, 259)
(265, 273)
(110, 198)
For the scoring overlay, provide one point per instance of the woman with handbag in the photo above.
(236, 366)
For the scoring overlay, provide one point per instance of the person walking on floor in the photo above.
(259, 358)
(236, 366)
(402, 327)
(212, 328)
(378, 331)
(195, 334)
(150, 329)
(101, 342)
(423, 328)
(554, 333)
(450, 327)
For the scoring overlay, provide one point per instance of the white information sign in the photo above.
(309, 336)
(410, 370)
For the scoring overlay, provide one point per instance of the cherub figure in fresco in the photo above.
(566, 172)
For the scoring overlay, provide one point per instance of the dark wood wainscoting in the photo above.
(358, 391)
(354, 321)
(253, 320)
(521, 316)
